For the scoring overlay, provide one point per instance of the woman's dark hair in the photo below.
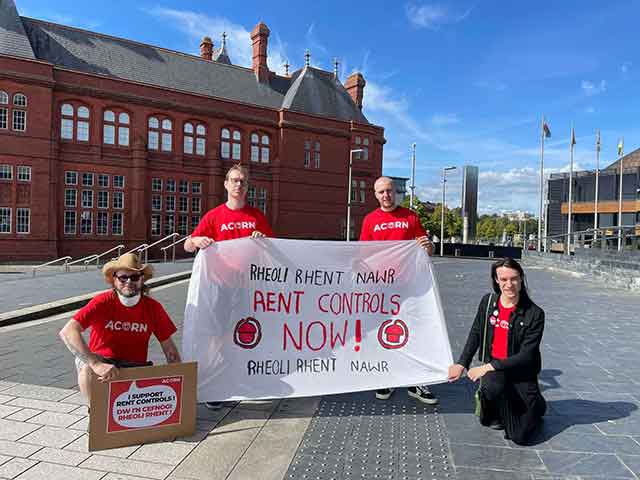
(508, 262)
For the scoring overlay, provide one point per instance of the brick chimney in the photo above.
(259, 39)
(355, 86)
(206, 48)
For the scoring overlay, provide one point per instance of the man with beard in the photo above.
(122, 321)
(391, 222)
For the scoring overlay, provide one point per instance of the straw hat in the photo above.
(128, 261)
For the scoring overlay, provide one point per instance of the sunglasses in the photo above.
(133, 277)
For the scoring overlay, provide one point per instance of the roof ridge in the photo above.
(134, 42)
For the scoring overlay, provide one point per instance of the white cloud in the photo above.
(433, 16)
(197, 25)
(442, 120)
(590, 89)
(589, 109)
(625, 67)
(381, 100)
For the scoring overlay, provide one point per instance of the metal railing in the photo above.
(66, 261)
(591, 236)
(86, 261)
(145, 248)
(173, 251)
(138, 249)
(99, 256)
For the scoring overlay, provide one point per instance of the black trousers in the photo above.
(518, 404)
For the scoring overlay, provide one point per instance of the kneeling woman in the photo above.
(507, 330)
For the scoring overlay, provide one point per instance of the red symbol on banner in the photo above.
(248, 333)
(393, 334)
(358, 336)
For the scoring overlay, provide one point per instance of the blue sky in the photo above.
(467, 80)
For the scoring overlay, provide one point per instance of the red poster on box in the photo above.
(144, 403)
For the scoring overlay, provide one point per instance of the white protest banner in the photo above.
(272, 318)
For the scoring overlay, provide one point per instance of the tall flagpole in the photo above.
(542, 134)
(572, 142)
(621, 156)
(595, 205)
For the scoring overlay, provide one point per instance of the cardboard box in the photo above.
(144, 404)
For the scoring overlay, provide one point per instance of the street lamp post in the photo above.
(444, 197)
(351, 152)
(413, 175)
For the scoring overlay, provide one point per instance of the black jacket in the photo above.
(525, 334)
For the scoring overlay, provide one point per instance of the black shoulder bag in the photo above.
(478, 406)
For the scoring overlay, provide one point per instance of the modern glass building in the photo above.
(583, 207)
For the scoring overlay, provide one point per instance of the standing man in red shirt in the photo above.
(122, 321)
(232, 219)
(391, 222)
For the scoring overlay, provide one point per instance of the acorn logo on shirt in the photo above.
(391, 226)
(119, 326)
(237, 226)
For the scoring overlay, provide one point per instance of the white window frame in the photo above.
(4, 168)
(22, 210)
(6, 212)
(75, 198)
(119, 215)
(75, 222)
(105, 215)
(24, 173)
(68, 174)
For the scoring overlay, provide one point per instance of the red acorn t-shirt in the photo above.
(399, 224)
(121, 332)
(500, 331)
(222, 223)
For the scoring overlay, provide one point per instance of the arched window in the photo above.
(365, 148)
(259, 148)
(115, 126)
(83, 124)
(230, 144)
(160, 134)
(74, 123)
(19, 114)
(4, 111)
(195, 136)
(66, 127)
(188, 138)
(154, 135)
(19, 100)
(167, 136)
(201, 139)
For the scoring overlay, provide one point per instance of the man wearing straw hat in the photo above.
(122, 321)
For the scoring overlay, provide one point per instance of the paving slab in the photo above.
(64, 457)
(51, 436)
(127, 467)
(52, 471)
(15, 467)
(12, 430)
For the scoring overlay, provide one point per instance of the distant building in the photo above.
(470, 199)
(400, 185)
(583, 205)
(518, 216)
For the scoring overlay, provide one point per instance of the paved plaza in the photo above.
(589, 378)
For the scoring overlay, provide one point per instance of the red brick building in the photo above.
(105, 140)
